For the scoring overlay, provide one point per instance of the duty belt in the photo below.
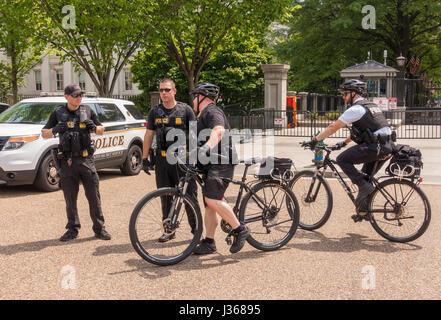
(82, 154)
(382, 139)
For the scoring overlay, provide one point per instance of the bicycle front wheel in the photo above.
(315, 199)
(147, 226)
(271, 211)
(399, 210)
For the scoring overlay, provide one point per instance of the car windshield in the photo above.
(29, 112)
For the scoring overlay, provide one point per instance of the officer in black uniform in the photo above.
(168, 115)
(370, 130)
(73, 122)
(218, 157)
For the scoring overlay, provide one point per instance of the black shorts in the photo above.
(215, 186)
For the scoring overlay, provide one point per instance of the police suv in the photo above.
(27, 158)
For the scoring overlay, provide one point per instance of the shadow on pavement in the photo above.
(353, 242)
(193, 262)
(38, 245)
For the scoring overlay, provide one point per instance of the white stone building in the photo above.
(50, 77)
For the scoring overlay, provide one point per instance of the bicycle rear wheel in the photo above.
(273, 227)
(399, 210)
(146, 227)
(315, 199)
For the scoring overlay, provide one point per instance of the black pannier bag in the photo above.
(405, 162)
(275, 166)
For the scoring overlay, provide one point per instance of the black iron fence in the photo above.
(409, 124)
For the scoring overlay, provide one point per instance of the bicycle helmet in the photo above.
(354, 85)
(206, 89)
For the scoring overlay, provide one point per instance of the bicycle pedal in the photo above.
(357, 218)
(229, 241)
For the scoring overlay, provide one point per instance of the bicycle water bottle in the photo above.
(318, 153)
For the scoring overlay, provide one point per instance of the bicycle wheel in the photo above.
(399, 210)
(315, 199)
(146, 227)
(273, 227)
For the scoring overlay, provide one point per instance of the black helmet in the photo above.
(206, 89)
(353, 85)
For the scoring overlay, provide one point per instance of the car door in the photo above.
(111, 145)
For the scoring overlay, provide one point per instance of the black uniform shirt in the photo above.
(211, 117)
(53, 120)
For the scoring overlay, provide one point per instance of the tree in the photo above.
(198, 28)
(23, 51)
(101, 36)
(327, 35)
(235, 67)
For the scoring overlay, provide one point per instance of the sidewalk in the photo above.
(289, 147)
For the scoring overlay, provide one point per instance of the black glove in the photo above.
(310, 144)
(339, 145)
(60, 128)
(205, 149)
(90, 125)
(146, 164)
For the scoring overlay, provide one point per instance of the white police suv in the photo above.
(27, 158)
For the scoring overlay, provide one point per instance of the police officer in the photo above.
(369, 129)
(73, 122)
(213, 124)
(169, 117)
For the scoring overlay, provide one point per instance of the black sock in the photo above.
(209, 240)
(239, 228)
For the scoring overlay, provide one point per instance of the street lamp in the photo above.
(401, 63)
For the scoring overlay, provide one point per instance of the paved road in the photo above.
(327, 264)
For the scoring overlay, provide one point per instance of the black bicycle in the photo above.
(269, 208)
(397, 208)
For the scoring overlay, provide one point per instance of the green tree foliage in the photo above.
(197, 29)
(101, 36)
(18, 24)
(327, 36)
(235, 67)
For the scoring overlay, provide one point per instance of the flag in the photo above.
(418, 65)
(412, 64)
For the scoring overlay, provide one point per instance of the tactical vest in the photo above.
(362, 130)
(76, 140)
(165, 122)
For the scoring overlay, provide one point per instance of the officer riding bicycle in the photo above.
(369, 129)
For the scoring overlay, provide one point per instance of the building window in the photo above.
(128, 80)
(82, 80)
(37, 80)
(60, 84)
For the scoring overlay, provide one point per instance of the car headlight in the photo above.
(18, 142)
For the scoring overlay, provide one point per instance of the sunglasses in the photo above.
(76, 95)
(165, 89)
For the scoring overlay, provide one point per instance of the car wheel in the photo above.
(48, 176)
(133, 163)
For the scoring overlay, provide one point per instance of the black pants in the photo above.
(168, 175)
(84, 169)
(366, 153)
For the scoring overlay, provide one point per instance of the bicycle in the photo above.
(269, 207)
(397, 209)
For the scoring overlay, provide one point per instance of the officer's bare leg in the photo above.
(223, 209)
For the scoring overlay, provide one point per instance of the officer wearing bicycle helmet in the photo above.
(212, 126)
(369, 129)
(161, 120)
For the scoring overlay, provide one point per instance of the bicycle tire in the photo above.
(398, 189)
(300, 186)
(186, 237)
(287, 227)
